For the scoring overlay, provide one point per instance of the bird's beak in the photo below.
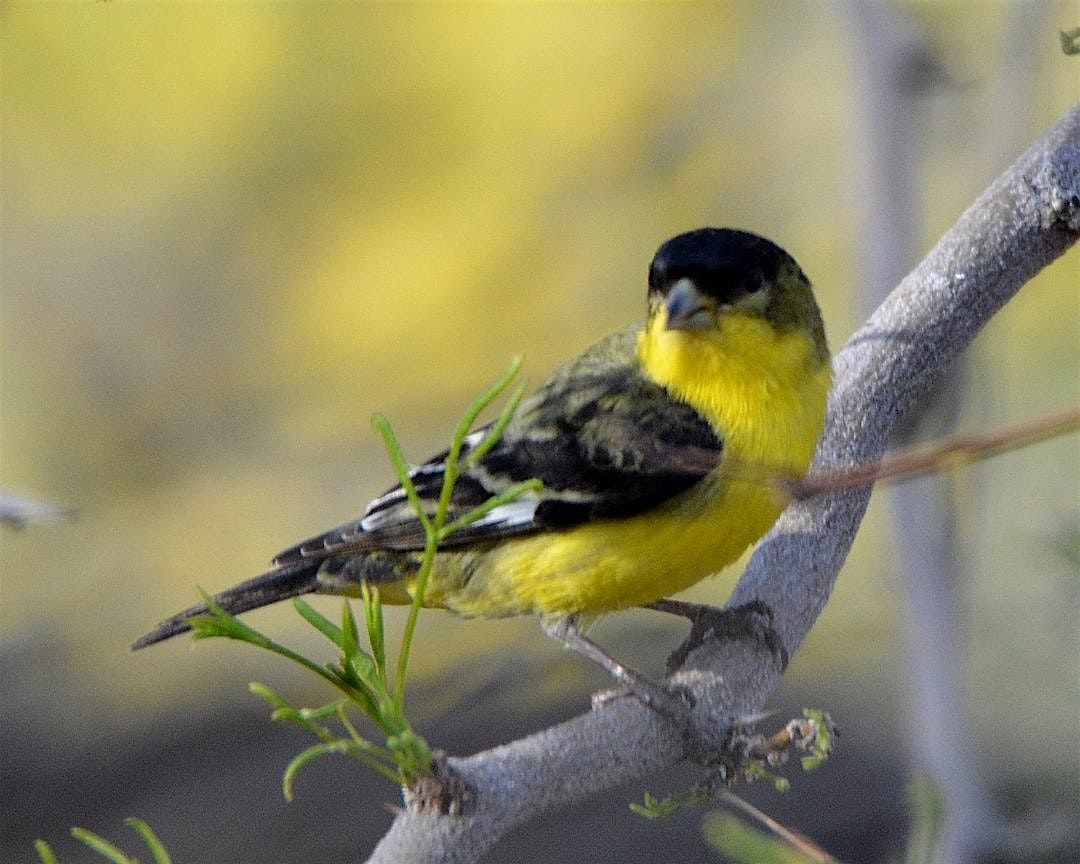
(687, 308)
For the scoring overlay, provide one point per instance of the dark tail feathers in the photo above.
(289, 581)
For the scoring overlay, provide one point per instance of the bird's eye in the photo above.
(657, 274)
(753, 283)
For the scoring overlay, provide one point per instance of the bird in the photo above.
(650, 449)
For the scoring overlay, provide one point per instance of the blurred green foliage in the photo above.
(740, 843)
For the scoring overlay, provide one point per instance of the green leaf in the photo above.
(412, 755)
(218, 622)
(323, 712)
(45, 852)
(495, 433)
(664, 808)
(269, 695)
(464, 427)
(757, 771)
(342, 746)
(368, 699)
(300, 760)
(157, 848)
(359, 666)
(102, 846)
(433, 528)
(373, 617)
(825, 741)
(350, 636)
(285, 713)
(317, 620)
(359, 740)
(479, 512)
(401, 467)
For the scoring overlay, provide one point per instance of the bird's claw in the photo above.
(752, 620)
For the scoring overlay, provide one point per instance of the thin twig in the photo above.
(799, 841)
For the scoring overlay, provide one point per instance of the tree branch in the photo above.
(1025, 220)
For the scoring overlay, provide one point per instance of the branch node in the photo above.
(442, 793)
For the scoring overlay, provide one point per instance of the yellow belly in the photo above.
(612, 564)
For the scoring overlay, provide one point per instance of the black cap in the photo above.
(722, 262)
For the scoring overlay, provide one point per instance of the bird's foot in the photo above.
(674, 703)
(753, 620)
(709, 740)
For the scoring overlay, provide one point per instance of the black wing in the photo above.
(606, 443)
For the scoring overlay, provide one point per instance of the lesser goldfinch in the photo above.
(639, 444)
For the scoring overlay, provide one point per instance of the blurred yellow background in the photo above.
(231, 232)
